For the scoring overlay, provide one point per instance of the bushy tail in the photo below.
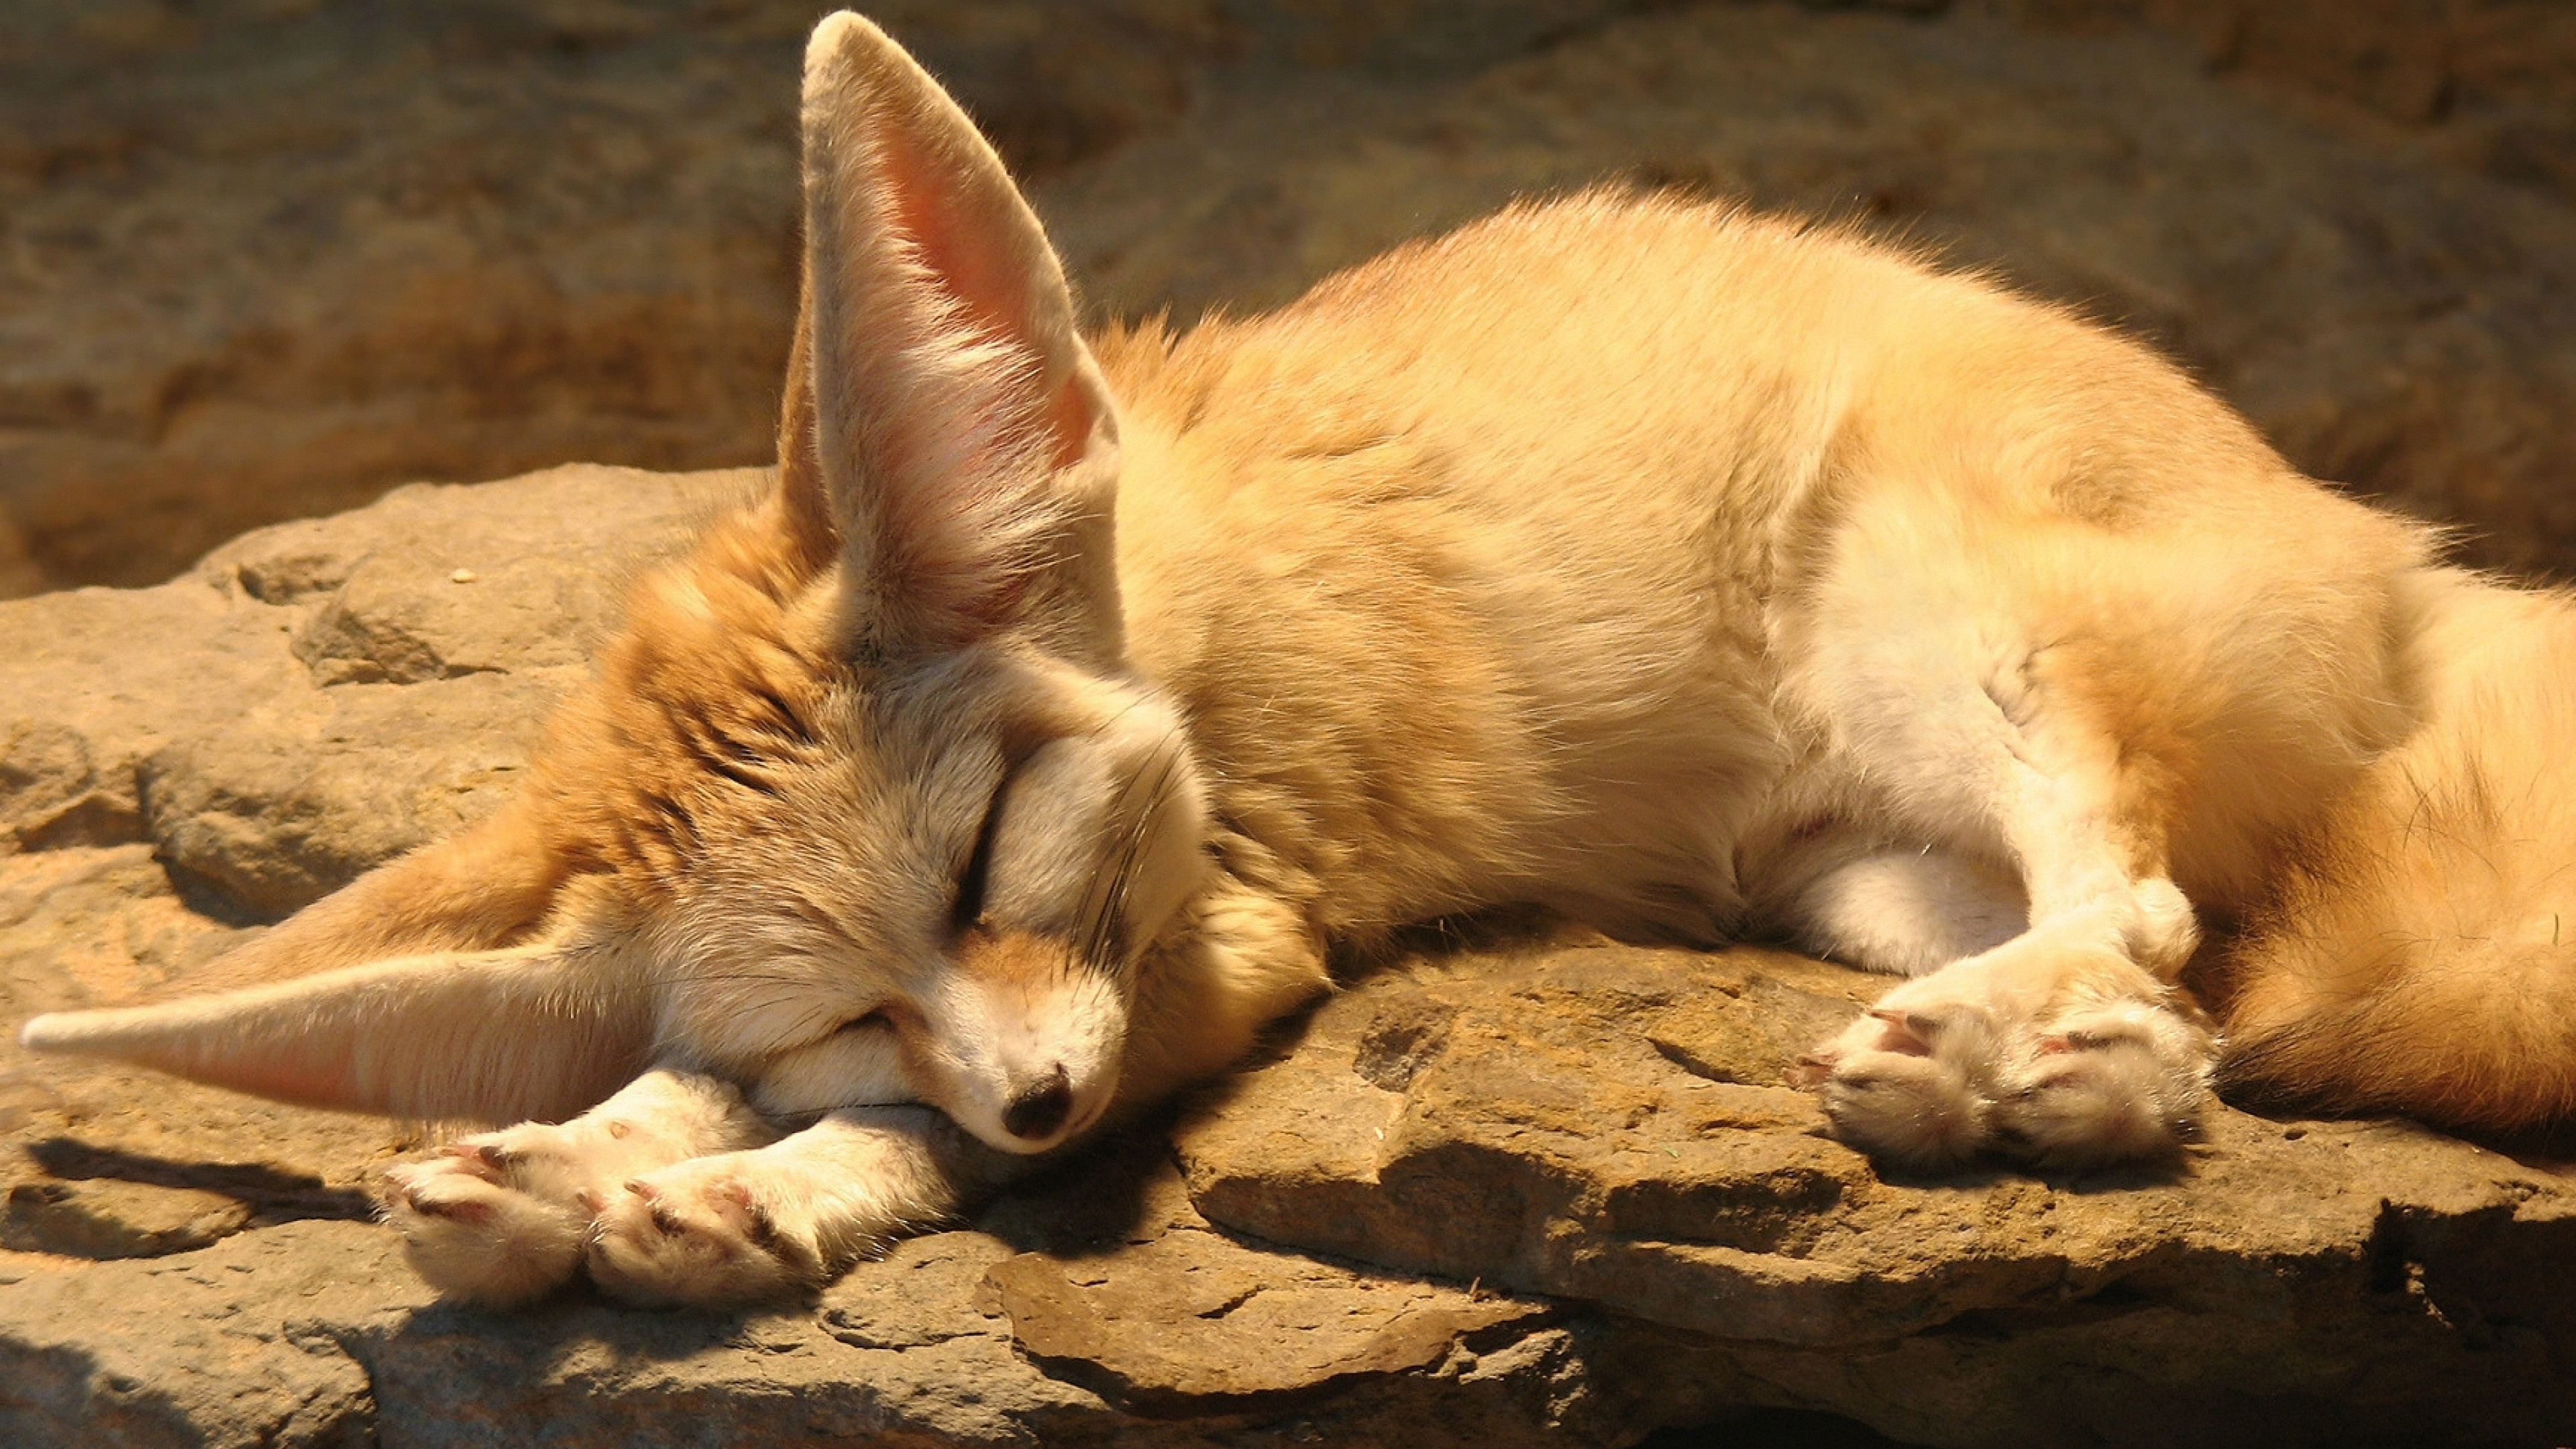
(2420, 956)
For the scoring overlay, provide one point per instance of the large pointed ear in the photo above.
(942, 410)
(535, 1031)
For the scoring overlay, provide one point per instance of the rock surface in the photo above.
(1545, 1190)
(1603, 1124)
(263, 258)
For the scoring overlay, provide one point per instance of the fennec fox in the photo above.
(1693, 573)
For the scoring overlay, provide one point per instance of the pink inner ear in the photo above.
(994, 296)
(988, 282)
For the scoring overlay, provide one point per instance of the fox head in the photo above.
(864, 805)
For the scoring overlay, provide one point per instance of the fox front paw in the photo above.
(495, 1219)
(703, 1234)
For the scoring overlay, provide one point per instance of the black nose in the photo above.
(1040, 1107)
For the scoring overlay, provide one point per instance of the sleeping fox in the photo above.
(1071, 701)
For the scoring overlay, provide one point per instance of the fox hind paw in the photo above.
(1931, 1083)
(1904, 1085)
(2104, 1087)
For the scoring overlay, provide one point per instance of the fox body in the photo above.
(1033, 743)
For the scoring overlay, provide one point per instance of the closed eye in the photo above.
(967, 907)
(873, 1021)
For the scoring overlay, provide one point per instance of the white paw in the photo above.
(703, 1233)
(1909, 1085)
(493, 1219)
(501, 1218)
(1950, 1066)
(2100, 1085)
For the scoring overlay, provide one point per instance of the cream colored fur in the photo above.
(1695, 573)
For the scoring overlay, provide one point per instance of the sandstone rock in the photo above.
(311, 1333)
(2487, 85)
(1602, 1124)
(231, 1346)
(270, 257)
(1191, 1321)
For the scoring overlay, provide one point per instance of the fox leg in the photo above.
(1905, 912)
(504, 1217)
(1239, 959)
(2068, 1043)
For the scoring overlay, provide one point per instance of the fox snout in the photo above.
(1029, 1040)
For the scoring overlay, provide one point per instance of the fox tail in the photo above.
(2420, 954)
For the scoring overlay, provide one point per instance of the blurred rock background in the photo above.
(262, 259)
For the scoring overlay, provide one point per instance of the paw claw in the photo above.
(477, 1161)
